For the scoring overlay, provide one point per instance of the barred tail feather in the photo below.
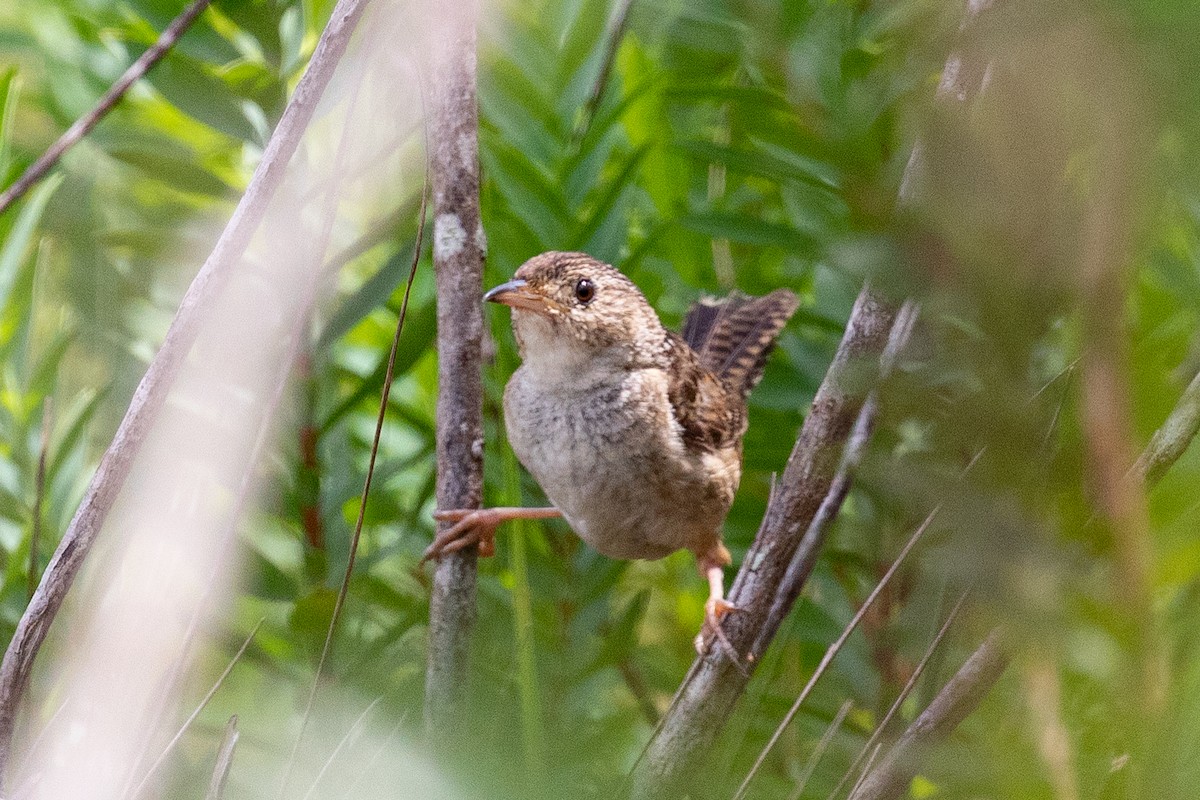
(734, 336)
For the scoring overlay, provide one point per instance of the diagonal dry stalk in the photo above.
(763, 589)
(458, 253)
(715, 683)
(166, 751)
(148, 398)
(899, 701)
(956, 700)
(963, 692)
(216, 785)
(833, 649)
(83, 126)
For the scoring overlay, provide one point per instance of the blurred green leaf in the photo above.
(189, 86)
(19, 238)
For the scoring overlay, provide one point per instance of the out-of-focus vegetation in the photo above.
(744, 145)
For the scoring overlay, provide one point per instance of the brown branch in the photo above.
(957, 699)
(808, 493)
(715, 682)
(458, 253)
(83, 126)
(149, 396)
(1172, 438)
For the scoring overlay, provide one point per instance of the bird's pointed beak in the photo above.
(518, 294)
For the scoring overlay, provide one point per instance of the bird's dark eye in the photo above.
(585, 290)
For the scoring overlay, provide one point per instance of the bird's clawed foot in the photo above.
(471, 526)
(715, 610)
(477, 526)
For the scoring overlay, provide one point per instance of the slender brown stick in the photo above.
(957, 699)
(83, 126)
(458, 253)
(216, 785)
(151, 392)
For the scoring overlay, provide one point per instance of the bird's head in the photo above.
(569, 308)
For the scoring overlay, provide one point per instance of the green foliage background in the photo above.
(737, 145)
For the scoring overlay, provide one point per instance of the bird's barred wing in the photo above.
(710, 416)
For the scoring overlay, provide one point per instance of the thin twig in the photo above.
(356, 537)
(826, 739)
(901, 697)
(82, 126)
(957, 699)
(148, 398)
(612, 41)
(39, 496)
(354, 730)
(1172, 438)
(367, 768)
(216, 785)
(867, 767)
(187, 723)
(836, 648)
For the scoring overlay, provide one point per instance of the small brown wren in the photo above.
(633, 431)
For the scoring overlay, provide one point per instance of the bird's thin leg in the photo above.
(712, 566)
(478, 526)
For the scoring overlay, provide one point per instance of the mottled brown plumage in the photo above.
(633, 431)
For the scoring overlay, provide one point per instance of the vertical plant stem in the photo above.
(458, 253)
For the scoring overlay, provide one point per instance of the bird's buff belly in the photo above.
(625, 488)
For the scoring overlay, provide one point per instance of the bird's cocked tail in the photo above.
(734, 335)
